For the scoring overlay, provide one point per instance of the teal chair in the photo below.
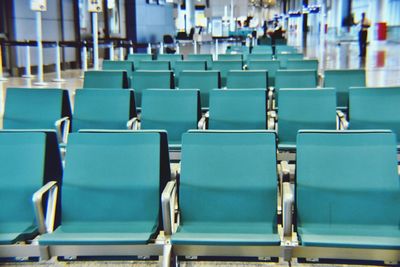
(242, 79)
(202, 57)
(30, 164)
(257, 57)
(269, 65)
(136, 58)
(153, 65)
(348, 195)
(175, 111)
(103, 109)
(294, 79)
(105, 79)
(28, 108)
(205, 81)
(241, 109)
(283, 58)
(145, 79)
(237, 49)
(375, 108)
(188, 65)
(227, 195)
(172, 58)
(111, 195)
(301, 109)
(262, 49)
(302, 64)
(342, 80)
(233, 57)
(224, 66)
(119, 65)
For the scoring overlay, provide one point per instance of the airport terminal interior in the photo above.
(200, 133)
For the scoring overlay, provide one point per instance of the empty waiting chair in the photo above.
(202, 57)
(269, 65)
(262, 49)
(205, 81)
(111, 194)
(119, 65)
(342, 80)
(304, 109)
(103, 109)
(239, 183)
(145, 79)
(105, 79)
(241, 79)
(253, 57)
(175, 111)
(348, 195)
(28, 108)
(241, 109)
(153, 65)
(237, 57)
(310, 64)
(136, 58)
(224, 66)
(29, 160)
(375, 108)
(172, 58)
(283, 58)
(188, 65)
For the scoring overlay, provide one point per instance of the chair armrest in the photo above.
(46, 224)
(271, 92)
(62, 134)
(287, 208)
(203, 122)
(133, 124)
(169, 204)
(245, 67)
(343, 123)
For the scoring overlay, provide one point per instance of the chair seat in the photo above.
(351, 236)
(287, 146)
(114, 233)
(226, 234)
(16, 231)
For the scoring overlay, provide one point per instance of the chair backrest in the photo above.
(302, 64)
(342, 80)
(105, 79)
(136, 58)
(239, 182)
(375, 108)
(103, 109)
(283, 58)
(175, 111)
(349, 177)
(279, 49)
(188, 65)
(224, 66)
(172, 58)
(153, 65)
(237, 57)
(262, 49)
(29, 160)
(28, 108)
(296, 79)
(242, 109)
(114, 176)
(270, 65)
(145, 79)
(242, 79)
(305, 109)
(119, 65)
(260, 56)
(205, 81)
(206, 57)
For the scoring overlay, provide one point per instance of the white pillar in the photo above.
(58, 65)
(130, 47)
(121, 53)
(161, 48)
(149, 49)
(84, 60)
(40, 80)
(95, 42)
(195, 47)
(216, 49)
(28, 73)
(1, 66)
(111, 50)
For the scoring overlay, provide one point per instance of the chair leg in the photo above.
(167, 251)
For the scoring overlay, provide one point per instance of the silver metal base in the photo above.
(59, 80)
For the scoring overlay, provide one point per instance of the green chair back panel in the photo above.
(272, 66)
(224, 67)
(244, 109)
(350, 178)
(262, 49)
(234, 57)
(242, 79)
(305, 109)
(202, 57)
(260, 56)
(172, 58)
(188, 65)
(111, 177)
(342, 80)
(153, 65)
(119, 65)
(105, 79)
(103, 109)
(239, 182)
(279, 49)
(136, 58)
(296, 79)
(142, 80)
(375, 108)
(302, 64)
(283, 58)
(175, 111)
(205, 81)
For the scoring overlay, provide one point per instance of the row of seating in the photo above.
(115, 196)
(178, 111)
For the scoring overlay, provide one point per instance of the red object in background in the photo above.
(380, 59)
(382, 30)
(326, 28)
